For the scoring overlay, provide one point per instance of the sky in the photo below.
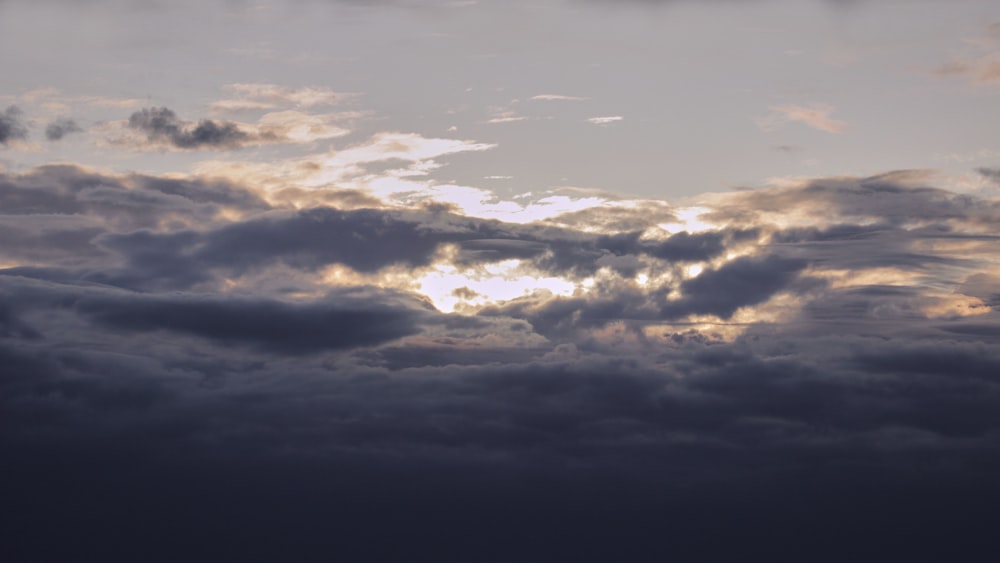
(483, 280)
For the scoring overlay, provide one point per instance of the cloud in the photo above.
(739, 283)
(273, 326)
(992, 174)
(979, 62)
(56, 198)
(61, 127)
(387, 169)
(788, 149)
(502, 115)
(11, 126)
(298, 127)
(558, 98)
(607, 120)
(897, 198)
(984, 70)
(816, 116)
(162, 126)
(257, 96)
(159, 334)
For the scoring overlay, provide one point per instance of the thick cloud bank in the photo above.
(191, 370)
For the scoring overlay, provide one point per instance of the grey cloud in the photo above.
(860, 247)
(120, 202)
(492, 250)
(619, 219)
(365, 398)
(368, 240)
(685, 247)
(720, 292)
(896, 198)
(992, 173)
(365, 240)
(153, 234)
(767, 395)
(790, 402)
(61, 127)
(984, 286)
(738, 283)
(12, 326)
(161, 125)
(12, 127)
(274, 326)
(69, 245)
(173, 232)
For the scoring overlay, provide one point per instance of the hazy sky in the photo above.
(568, 280)
(711, 96)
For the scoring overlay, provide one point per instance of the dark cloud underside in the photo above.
(161, 125)
(273, 326)
(61, 127)
(175, 370)
(11, 126)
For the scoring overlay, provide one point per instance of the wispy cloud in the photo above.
(558, 98)
(605, 120)
(978, 60)
(979, 70)
(254, 96)
(507, 117)
(816, 116)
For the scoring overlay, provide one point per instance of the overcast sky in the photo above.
(460, 280)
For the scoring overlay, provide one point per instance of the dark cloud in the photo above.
(992, 173)
(61, 127)
(685, 247)
(742, 282)
(739, 283)
(11, 326)
(896, 198)
(54, 193)
(234, 402)
(274, 326)
(70, 244)
(11, 126)
(495, 250)
(161, 125)
(796, 423)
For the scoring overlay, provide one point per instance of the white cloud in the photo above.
(412, 155)
(558, 98)
(605, 120)
(507, 119)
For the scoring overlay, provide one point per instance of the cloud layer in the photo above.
(827, 341)
(258, 327)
